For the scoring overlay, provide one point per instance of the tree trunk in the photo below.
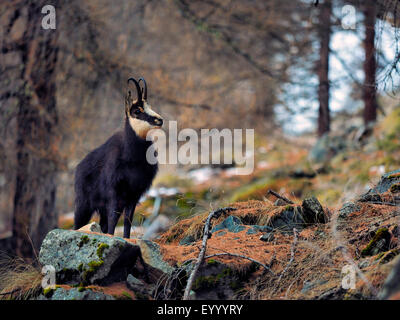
(30, 67)
(369, 89)
(324, 31)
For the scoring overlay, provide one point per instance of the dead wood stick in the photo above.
(384, 203)
(240, 256)
(279, 196)
(214, 214)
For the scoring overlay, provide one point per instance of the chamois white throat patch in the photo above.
(142, 127)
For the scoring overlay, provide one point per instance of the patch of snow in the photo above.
(203, 174)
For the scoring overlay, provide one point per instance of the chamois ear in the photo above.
(133, 86)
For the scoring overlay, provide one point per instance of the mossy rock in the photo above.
(231, 224)
(386, 183)
(215, 280)
(379, 243)
(48, 292)
(389, 256)
(395, 188)
(75, 294)
(86, 258)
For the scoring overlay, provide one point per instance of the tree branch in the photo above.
(206, 234)
(279, 196)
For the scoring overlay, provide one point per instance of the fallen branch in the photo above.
(279, 196)
(240, 256)
(384, 203)
(206, 234)
(292, 252)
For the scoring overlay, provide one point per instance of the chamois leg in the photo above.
(129, 211)
(103, 220)
(82, 215)
(112, 217)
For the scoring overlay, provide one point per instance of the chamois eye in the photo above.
(137, 111)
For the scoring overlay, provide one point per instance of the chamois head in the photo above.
(139, 113)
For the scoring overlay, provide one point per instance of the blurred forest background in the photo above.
(287, 68)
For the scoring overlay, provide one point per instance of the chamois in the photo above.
(112, 178)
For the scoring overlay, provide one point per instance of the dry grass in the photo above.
(251, 212)
(18, 278)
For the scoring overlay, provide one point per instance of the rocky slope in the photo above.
(259, 250)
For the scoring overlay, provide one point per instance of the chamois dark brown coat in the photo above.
(111, 179)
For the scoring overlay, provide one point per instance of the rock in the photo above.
(215, 281)
(327, 147)
(152, 256)
(379, 243)
(268, 237)
(347, 209)
(186, 241)
(391, 286)
(388, 256)
(388, 182)
(231, 223)
(139, 287)
(80, 257)
(291, 217)
(92, 227)
(313, 211)
(74, 294)
(256, 229)
(370, 196)
(394, 230)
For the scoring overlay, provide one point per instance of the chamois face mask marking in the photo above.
(142, 119)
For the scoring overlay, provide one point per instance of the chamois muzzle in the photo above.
(159, 122)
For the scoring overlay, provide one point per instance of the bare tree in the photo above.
(28, 65)
(369, 90)
(324, 33)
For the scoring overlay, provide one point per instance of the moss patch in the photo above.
(84, 240)
(93, 265)
(48, 292)
(208, 282)
(212, 261)
(101, 248)
(378, 243)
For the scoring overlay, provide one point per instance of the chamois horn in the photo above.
(144, 90)
(139, 91)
